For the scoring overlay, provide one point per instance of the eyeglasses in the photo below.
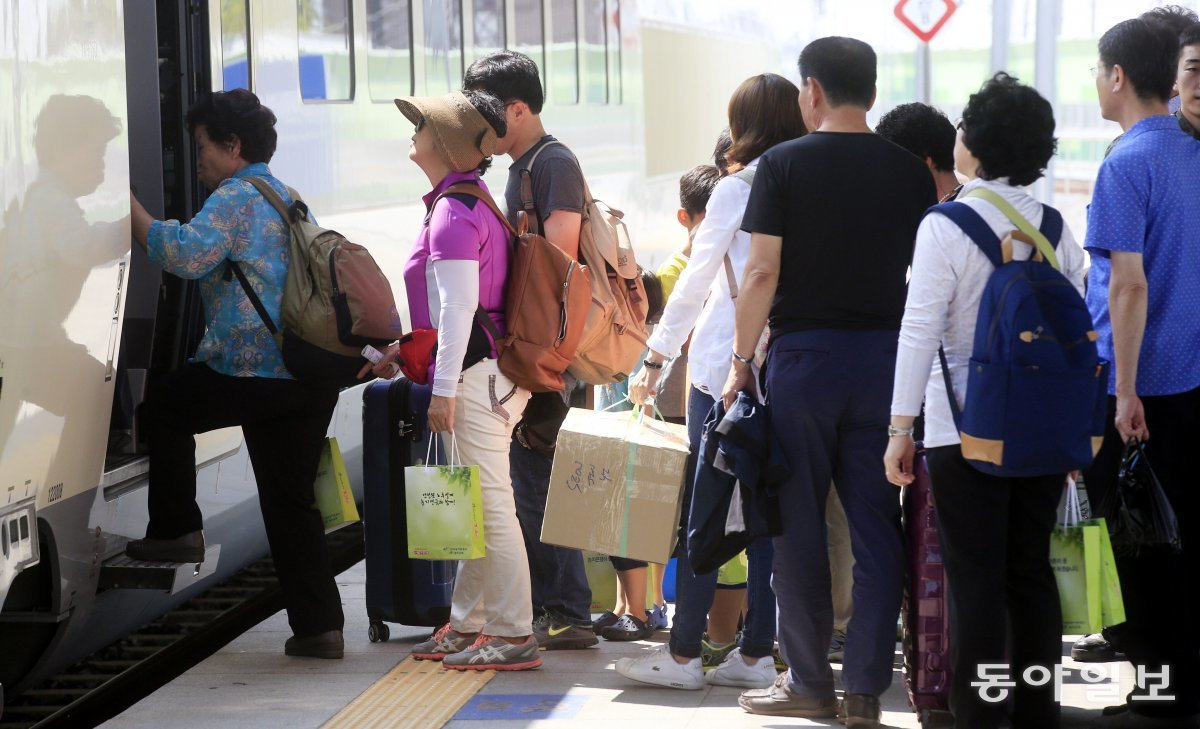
(420, 125)
(1096, 71)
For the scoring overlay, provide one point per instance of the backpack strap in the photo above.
(527, 203)
(1040, 240)
(231, 266)
(746, 175)
(976, 228)
(477, 192)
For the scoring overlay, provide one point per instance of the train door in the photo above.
(167, 47)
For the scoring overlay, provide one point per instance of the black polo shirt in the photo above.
(847, 207)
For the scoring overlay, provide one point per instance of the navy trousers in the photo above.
(830, 395)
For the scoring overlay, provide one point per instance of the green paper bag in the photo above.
(332, 488)
(602, 579)
(444, 510)
(1075, 548)
(1112, 605)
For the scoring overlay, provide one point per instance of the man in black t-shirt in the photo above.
(833, 216)
(561, 596)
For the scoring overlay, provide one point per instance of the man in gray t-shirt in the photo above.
(561, 596)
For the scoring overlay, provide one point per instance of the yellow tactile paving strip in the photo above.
(413, 694)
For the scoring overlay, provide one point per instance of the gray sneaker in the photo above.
(553, 633)
(492, 653)
(445, 642)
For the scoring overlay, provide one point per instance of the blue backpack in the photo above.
(1037, 388)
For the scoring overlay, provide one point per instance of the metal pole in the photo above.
(924, 80)
(1045, 70)
(1001, 23)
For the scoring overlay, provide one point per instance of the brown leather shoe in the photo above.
(186, 548)
(322, 645)
(780, 700)
(860, 710)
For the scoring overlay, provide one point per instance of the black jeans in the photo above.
(1161, 619)
(284, 424)
(995, 537)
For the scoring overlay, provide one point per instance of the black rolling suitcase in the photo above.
(399, 589)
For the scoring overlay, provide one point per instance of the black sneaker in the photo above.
(627, 627)
(555, 634)
(606, 619)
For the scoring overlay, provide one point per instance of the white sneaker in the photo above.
(660, 668)
(734, 671)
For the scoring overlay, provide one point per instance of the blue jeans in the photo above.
(830, 401)
(557, 578)
(694, 593)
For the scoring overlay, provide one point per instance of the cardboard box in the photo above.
(616, 485)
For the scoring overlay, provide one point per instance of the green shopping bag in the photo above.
(1075, 549)
(444, 507)
(1112, 605)
(332, 488)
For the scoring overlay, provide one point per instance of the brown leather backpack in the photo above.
(614, 325)
(546, 299)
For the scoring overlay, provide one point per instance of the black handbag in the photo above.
(1140, 516)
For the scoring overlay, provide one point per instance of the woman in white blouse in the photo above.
(763, 111)
(995, 532)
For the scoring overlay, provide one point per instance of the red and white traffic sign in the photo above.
(925, 17)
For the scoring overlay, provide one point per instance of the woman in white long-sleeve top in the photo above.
(763, 111)
(995, 532)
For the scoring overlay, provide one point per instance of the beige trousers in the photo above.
(491, 594)
(841, 561)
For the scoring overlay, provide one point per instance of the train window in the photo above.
(443, 46)
(235, 45)
(389, 49)
(564, 53)
(326, 64)
(613, 23)
(529, 32)
(487, 20)
(595, 53)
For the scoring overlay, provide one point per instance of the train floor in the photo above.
(250, 683)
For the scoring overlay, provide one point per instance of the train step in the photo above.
(124, 573)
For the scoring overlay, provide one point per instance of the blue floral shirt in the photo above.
(236, 223)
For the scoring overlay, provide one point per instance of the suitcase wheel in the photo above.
(379, 632)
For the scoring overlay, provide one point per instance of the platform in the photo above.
(251, 684)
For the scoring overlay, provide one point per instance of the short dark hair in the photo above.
(844, 66)
(763, 111)
(1148, 52)
(1009, 128)
(724, 142)
(509, 76)
(655, 301)
(237, 113)
(922, 130)
(492, 111)
(1190, 36)
(696, 186)
(1175, 17)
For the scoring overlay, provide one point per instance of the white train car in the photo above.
(95, 95)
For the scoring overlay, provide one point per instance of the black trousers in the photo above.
(284, 424)
(995, 537)
(1161, 619)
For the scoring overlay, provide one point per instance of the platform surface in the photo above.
(251, 684)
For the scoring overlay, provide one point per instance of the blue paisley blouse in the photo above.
(235, 223)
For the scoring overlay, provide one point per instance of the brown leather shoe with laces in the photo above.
(780, 700)
(860, 710)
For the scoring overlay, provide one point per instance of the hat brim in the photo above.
(412, 107)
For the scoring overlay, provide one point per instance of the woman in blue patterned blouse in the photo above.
(237, 376)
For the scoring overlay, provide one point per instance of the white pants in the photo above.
(491, 594)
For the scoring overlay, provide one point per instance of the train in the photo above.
(99, 92)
